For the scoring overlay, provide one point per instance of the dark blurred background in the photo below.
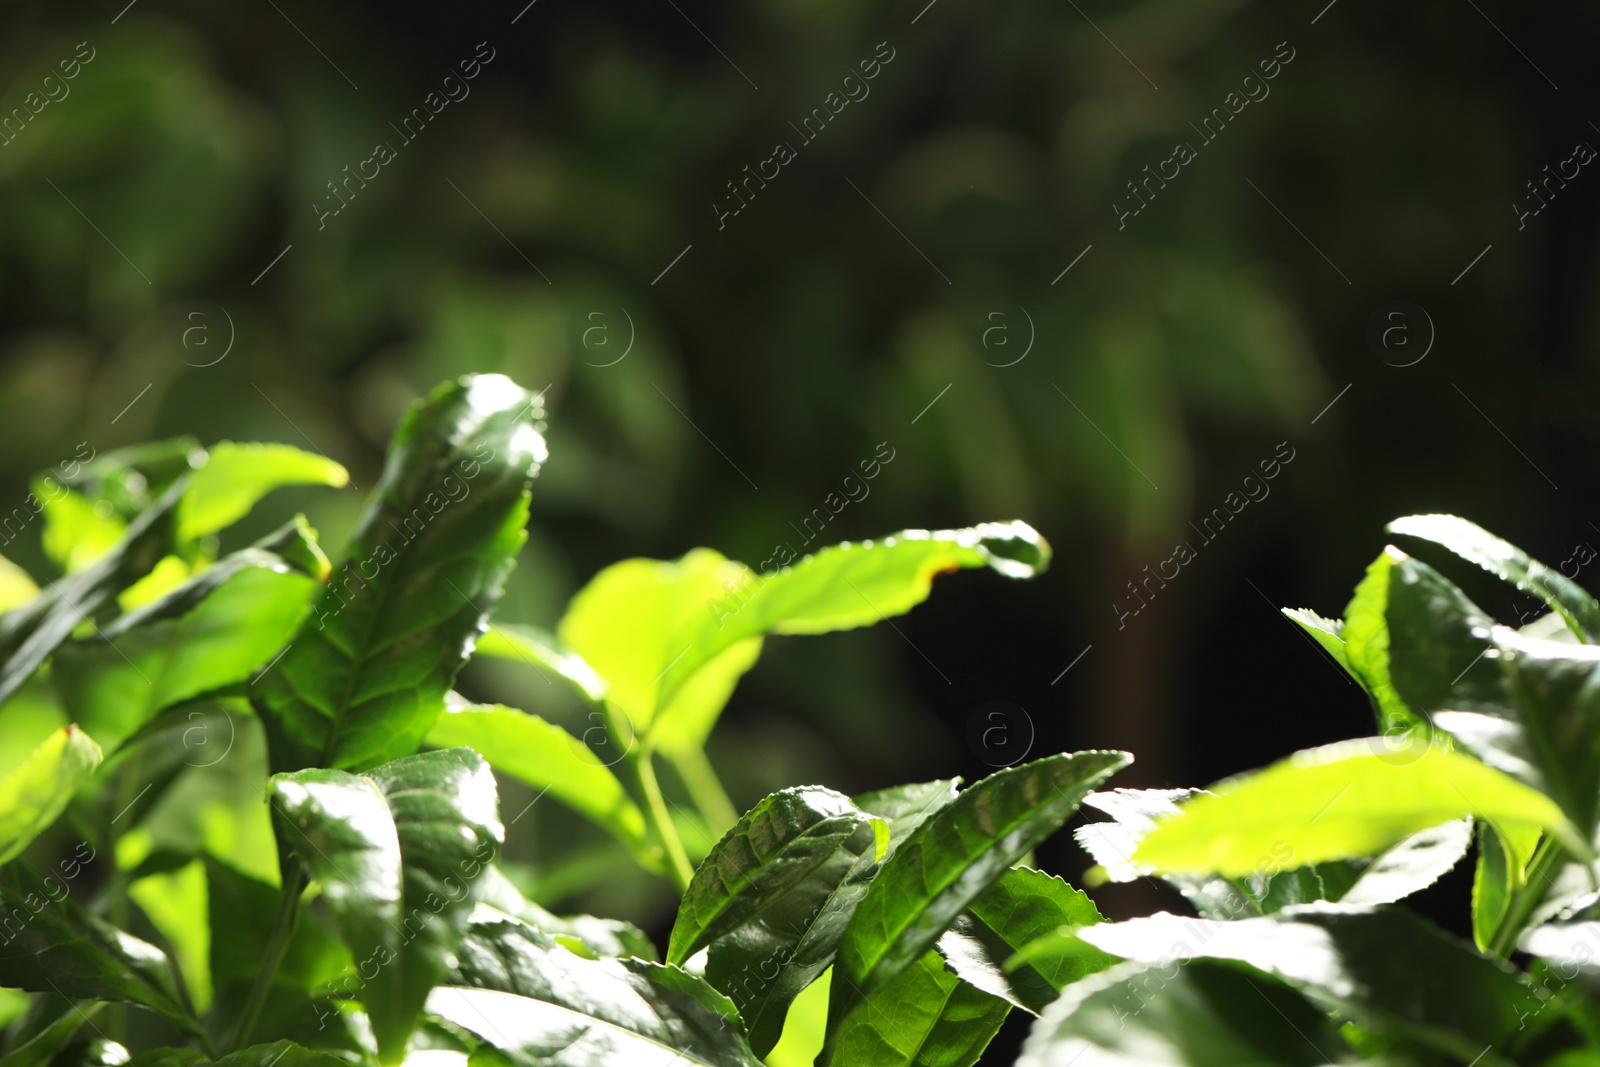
(165, 268)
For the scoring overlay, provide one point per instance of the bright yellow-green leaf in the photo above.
(236, 475)
(545, 756)
(1351, 799)
(804, 1028)
(77, 530)
(168, 573)
(16, 587)
(178, 905)
(33, 795)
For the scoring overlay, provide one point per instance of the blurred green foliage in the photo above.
(164, 272)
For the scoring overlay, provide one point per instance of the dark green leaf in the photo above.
(30, 633)
(764, 968)
(1498, 874)
(906, 807)
(1509, 563)
(1021, 907)
(396, 850)
(116, 681)
(924, 1017)
(778, 864)
(958, 852)
(242, 911)
(366, 676)
(586, 935)
(40, 1048)
(543, 1006)
(1451, 661)
(54, 945)
(169, 1057)
(1200, 1014)
(1385, 967)
(281, 1054)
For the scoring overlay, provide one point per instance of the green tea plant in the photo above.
(328, 888)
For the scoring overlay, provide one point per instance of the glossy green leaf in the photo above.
(960, 851)
(237, 475)
(1201, 1014)
(367, 673)
(1441, 650)
(766, 968)
(778, 864)
(805, 1027)
(1021, 907)
(549, 759)
(1328, 633)
(1497, 876)
(77, 531)
(1523, 704)
(849, 585)
(117, 680)
(1350, 799)
(587, 935)
(242, 909)
(396, 850)
(1366, 640)
(30, 633)
(1410, 866)
(281, 1054)
(906, 807)
(651, 628)
(925, 1016)
(170, 1057)
(543, 651)
(1510, 564)
(1445, 994)
(54, 945)
(36, 793)
(543, 1006)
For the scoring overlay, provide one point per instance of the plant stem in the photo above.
(1547, 859)
(705, 788)
(644, 773)
(294, 884)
